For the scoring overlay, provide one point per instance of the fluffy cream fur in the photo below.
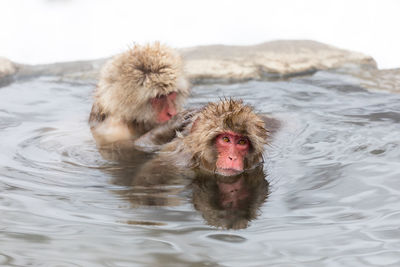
(129, 80)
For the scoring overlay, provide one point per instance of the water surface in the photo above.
(333, 196)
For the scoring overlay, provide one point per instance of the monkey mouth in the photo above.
(228, 171)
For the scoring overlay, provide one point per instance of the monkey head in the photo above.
(226, 138)
(144, 84)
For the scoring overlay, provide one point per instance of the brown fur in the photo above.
(228, 115)
(191, 157)
(195, 148)
(128, 82)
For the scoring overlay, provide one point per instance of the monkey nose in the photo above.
(171, 111)
(233, 158)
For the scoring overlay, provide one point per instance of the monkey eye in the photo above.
(242, 142)
(225, 139)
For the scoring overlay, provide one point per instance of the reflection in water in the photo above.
(230, 202)
(159, 188)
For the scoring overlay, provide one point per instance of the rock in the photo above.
(271, 59)
(221, 63)
(374, 79)
(77, 70)
(7, 67)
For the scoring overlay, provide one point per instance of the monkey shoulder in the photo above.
(273, 125)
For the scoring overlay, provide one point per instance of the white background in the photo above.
(45, 31)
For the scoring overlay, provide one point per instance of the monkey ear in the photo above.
(194, 125)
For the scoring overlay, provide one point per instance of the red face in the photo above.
(164, 107)
(232, 148)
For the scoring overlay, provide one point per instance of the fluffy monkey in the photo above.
(138, 95)
(225, 138)
(219, 154)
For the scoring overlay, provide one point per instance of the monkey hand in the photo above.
(179, 122)
(167, 131)
(155, 138)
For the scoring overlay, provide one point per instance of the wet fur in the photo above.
(196, 148)
(228, 115)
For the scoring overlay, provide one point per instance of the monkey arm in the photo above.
(155, 138)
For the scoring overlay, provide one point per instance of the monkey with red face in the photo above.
(138, 95)
(220, 155)
(225, 138)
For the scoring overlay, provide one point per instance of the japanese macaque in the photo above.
(225, 138)
(218, 155)
(230, 202)
(138, 95)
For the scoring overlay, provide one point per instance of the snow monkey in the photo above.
(138, 95)
(219, 156)
(225, 138)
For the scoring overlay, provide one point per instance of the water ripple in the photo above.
(333, 170)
